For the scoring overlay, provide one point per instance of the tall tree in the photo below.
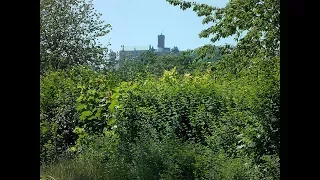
(175, 49)
(259, 20)
(68, 34)
(112, 61)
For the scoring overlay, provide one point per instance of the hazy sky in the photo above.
(139, 22)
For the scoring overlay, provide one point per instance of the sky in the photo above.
(139, 22)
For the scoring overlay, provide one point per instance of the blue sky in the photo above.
(139, 22)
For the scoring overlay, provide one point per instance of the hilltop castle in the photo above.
(133, 52)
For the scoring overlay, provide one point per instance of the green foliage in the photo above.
(208, 113)
(175, 126)
(175, 49)
(68, 34)
(256, 24)
(112, 61)
(93, 97)
(208, 53)
(254, 97)
(57, 114)
(58, 109)
(88, 168)
(238, 114)
(131, 70)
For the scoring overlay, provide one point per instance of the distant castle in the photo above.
(161, 40)
(133, 52)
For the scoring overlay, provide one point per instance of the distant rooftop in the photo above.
(137, 48)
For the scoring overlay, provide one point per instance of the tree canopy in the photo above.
(256, 24)
(175, 49)
(68, 34)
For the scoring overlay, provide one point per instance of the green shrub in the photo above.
(211, 125)
(58, 114)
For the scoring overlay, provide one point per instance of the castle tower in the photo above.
(161, 41)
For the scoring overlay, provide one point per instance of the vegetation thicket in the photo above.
(200, 114)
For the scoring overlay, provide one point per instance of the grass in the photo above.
(87, 168)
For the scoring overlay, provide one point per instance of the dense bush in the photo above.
(253, 96)
(58, 115)
(208, 113)
(210, 123)
(170, 127)
(59, 91)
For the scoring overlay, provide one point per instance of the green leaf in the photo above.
(91, 117)
(91, 91)
(85, 114)
(98, 114)
(81, 107)
(111, 122)
(90, 98)
(79, 98)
